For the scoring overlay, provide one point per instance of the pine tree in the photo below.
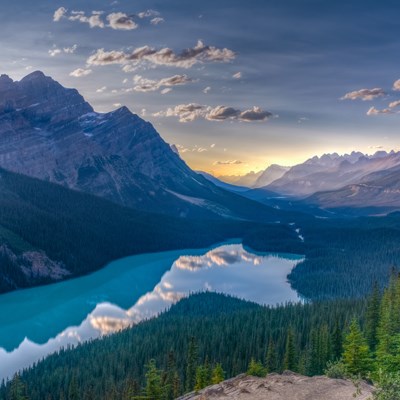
(271, 360)
(73, 390)
(218, 374)
(356, 355)
(256, 368)
(153, 381)
(191, 365)
(17, 389)
(290, 362)
(372, 318)
(337, 341)
(170, 373)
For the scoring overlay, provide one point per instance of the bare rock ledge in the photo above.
(288, 386)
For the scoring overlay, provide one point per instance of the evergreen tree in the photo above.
(17, 389)
(153, 381)
(356, 355)
(218, 374)
(290, 362)
(271, 360)
(191, 364)
(372, 318)
(337, 341)
(73, 390)
(256, 368)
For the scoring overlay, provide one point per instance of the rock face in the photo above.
(332, 172)
(271, 174)
(288, 386)
(52, 133)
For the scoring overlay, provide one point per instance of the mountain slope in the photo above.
(331, 172)
(379, 189)
(48, 232)
(52, 133)
(271, 174)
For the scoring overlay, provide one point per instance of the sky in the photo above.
(235, 85)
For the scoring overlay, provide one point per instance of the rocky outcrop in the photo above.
(288, 386)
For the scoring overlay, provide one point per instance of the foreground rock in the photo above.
(288, 386)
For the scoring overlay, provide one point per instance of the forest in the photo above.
(196, 343)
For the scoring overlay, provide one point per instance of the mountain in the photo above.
(331, 172)
(224, 185)
(52, 133)
(50, 233)
(247, 180)
(272, 173)
(377, 192)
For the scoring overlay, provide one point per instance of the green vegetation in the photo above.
(196, 343)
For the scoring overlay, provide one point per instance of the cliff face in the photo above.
(288, 386)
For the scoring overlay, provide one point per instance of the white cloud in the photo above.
(185, 59)
(117, 105)
(59, 14)
(191, 112)
(70, 50)
(157, 20)
(364, 94)
(94, 20)
(206, 90)
(121, 21)
(396, 85)
(166, 90)
(228, 162)
(148, 14)
(80, 72)
(374, 111)
(54, 52)
(150, 85)
(102, 89)
(238, 75)
(394, 104)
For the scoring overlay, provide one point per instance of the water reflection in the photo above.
(228, 269)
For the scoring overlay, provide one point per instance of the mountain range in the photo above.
(50, 132)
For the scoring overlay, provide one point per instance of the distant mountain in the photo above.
(247, 180)
(331, 172)
(272, 173)
(378, 191)
(52, 133)
(224, 185)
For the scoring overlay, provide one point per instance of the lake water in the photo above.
(36, 322)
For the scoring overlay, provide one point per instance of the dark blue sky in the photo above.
(266, 83)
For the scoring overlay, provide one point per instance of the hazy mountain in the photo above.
(52, 133)
(247, 180)
(272, 173)
(377, 190)
(224, 185)
(331, 172)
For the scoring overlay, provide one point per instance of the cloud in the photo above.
(121, 21)
(150, 85)
(228, 162)
(116, 20)
(102, 89)
(364, 94)
(157, 20)
(165, 56)
(54, 52)
(80, 72)
(191, 112)
(238, 75)
(396, 85)
(394, 104)
(220, 113)
(94, 20)
(67, 50)
(374, 111)
(255, 114)
(59, 14)
(206, 90)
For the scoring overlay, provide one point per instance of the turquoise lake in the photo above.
(36, 322)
